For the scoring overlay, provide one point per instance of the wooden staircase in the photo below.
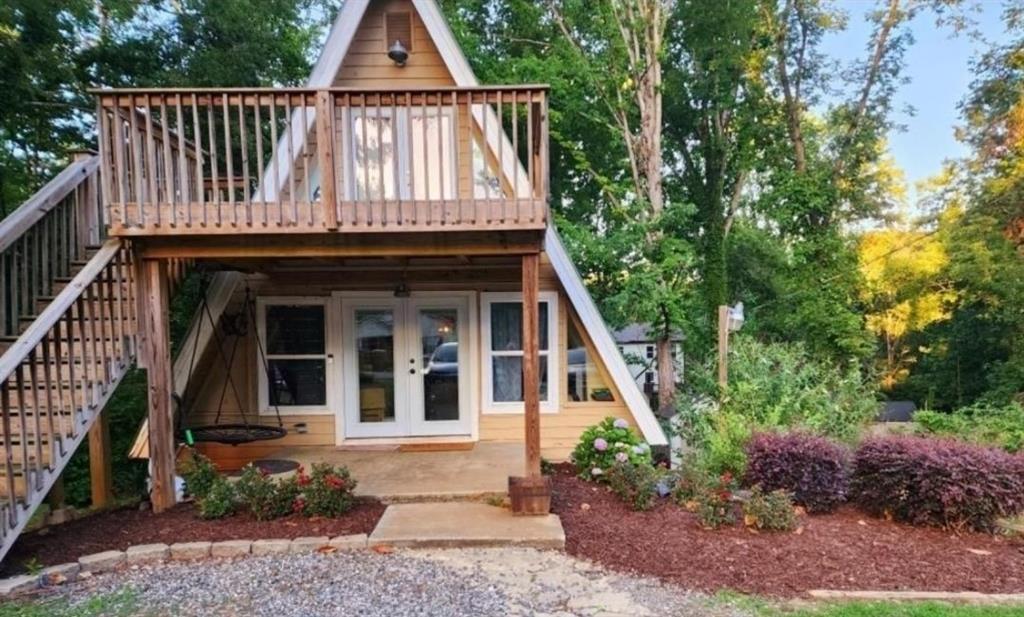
(68, 315)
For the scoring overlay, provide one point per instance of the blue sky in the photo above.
(938, 66)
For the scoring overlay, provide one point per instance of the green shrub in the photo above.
(715, 509)
(991, 425)
(219, 499)
(690, 481)
(327, 491)
(263, 497)
(199, 474)
(709, 496)
(769, 511)
(603, 445)
(635, 484)
(772, 386)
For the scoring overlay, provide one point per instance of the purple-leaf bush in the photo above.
(941, 482)
(814, 470)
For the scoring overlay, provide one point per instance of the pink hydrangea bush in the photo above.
(605, 445)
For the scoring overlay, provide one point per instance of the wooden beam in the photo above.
(723, 347)
(101, 474)
(161, 424)
(531, 362)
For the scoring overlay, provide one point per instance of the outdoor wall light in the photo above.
(398, 53)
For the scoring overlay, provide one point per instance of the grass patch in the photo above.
(117, 604)
(901, 609)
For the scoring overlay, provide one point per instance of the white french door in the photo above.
(406, 365)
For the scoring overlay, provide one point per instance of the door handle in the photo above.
(412, 371)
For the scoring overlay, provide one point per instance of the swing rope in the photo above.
(232, 434)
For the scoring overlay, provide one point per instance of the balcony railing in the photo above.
(205, 161)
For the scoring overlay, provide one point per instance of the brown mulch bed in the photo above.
(119, 529)
(844, 550)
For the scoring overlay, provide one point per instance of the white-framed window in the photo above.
(409, 154)
(502, 342)
(293, 334)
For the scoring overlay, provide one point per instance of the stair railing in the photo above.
(56, 378)
(41, 240)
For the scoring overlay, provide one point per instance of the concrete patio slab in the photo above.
(402, 477)
(455, 524)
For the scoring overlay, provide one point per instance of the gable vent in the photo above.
(398, 27)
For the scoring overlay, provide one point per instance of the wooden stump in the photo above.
(530, 495)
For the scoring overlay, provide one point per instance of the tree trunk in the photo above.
(666, 377)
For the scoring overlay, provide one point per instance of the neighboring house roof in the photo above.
(639, 333)
(323, 75)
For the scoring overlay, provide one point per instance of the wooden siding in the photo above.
(559, 431)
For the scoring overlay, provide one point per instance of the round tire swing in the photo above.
(236, 326)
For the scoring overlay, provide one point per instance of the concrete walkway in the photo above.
(464, 524)
(395, 477)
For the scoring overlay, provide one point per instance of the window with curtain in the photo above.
(503, 350)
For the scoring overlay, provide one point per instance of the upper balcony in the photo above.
(292, 160)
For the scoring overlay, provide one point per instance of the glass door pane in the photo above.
(375, 362)
(439, 348)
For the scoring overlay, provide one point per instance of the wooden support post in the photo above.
(531, 494)
(325, 156)
(161, 425)
(56, 498)
(723, 347)
(100, 469)
(531, 363)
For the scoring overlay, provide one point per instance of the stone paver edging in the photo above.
(87, 565)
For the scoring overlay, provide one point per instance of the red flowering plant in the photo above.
(326, 491)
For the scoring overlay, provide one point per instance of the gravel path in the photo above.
(455, 582)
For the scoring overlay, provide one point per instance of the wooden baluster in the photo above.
(244, 144)
(88, 364)
(288, 112)
(137, 174)
(105, 165)
(395, 136)
(305, 158)
(365, 199)
(211, 130)
(229, 159)
(410, 143)
(441, 161)
(456, 145)
(545, 155)
(119, 164)
(166, 150)
(106, 320)
(261, 179)
(19, 382)
(380, 160)
(197, 143)
(501, 158)
(515, 156)
(529, 151)
(117, 274)
(486, 157)
(275, 177)
(37, 423)
(69, 340)
(151, 168)
(6, 294)
(427, 197)
(183, 180)
(5, 407)
(48, 384)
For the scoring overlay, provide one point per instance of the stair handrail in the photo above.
(34, 334)
(45, 199)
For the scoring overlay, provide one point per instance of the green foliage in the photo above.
(769, 511)
(715, 509)
(772, 386)
(982, 423)
(264, 497)
(603, 445)
(326, 491)
(691, 480)
(635, 484)
(199, 473)
(899, 609)
(219, 499)
(121, 603)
